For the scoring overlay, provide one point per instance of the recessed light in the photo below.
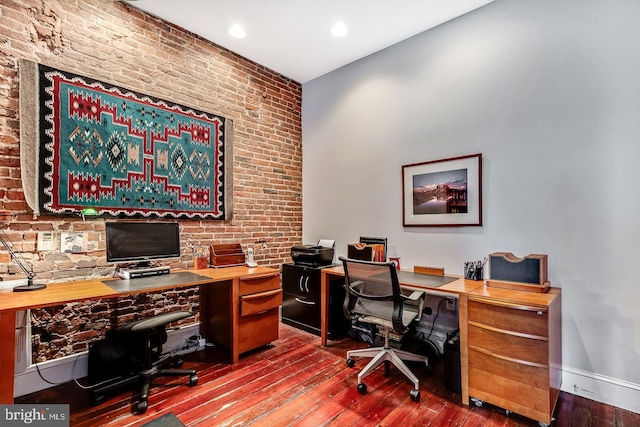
(339, 29)
(237, 31)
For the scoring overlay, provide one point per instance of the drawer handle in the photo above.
(540, 313)
(507, 332)
(506, 358)
(251, 277)
(261, 295)
(305, 302)
(506, 304)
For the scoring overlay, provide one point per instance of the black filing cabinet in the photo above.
(301, 301)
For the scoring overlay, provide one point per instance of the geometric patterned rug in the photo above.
(124, 153)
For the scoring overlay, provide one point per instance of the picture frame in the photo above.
(74, 242)
(443, 193)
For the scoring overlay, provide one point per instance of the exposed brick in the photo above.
(148, 55)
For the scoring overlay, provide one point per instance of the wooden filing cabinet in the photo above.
(259, 311)
(242, 314)
(515, 350)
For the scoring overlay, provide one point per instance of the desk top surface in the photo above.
(95, 288)
(409, 279)
(154, 282)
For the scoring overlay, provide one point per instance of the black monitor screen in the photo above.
(142, 241)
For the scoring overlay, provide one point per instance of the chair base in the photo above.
(382, 354)
(144, 378)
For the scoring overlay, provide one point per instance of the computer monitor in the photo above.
(141, 242)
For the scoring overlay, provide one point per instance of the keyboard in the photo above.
(162, 281)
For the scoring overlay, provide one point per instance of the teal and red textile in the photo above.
(126, 154)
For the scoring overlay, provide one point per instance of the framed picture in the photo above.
(443, 193)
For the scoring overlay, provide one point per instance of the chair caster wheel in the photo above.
(142, 407)
(178, 363)
(193, 380)
(362, 389)
(415, 395)
(477, 402)
(351, 363)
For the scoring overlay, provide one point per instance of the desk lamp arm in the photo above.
(29, 273)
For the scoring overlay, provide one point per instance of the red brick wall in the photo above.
(118, 44)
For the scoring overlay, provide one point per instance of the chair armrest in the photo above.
(415, 295)
(156, 321)
(419, 297)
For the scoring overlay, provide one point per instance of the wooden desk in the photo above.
(233, 278)
(460, 287)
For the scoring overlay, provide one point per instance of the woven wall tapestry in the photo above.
(87, 143)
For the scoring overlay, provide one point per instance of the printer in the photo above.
(317, 255)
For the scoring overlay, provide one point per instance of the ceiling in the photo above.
(292, 37)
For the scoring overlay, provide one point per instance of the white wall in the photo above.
(549, 92)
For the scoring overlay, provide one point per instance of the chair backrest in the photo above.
(373, 289)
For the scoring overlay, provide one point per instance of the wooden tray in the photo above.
(226, 255)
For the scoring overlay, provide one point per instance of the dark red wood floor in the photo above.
(295, 382)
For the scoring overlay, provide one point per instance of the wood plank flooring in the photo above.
(295, 382)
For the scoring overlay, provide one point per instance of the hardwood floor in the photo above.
(295, 382)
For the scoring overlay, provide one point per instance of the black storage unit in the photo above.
(452, 378)
(301, 301)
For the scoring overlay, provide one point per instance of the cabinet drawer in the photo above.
(515, 386)
(257, 330)
(517, 347)
(511, 317)
(261, 301)
(251, 285)
(536, 376)
(302, 311)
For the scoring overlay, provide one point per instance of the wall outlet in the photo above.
(45, 241)
(450, 304)
(191, 344)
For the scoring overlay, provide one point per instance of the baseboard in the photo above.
(65, 369)
(608, 390)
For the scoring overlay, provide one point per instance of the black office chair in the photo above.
(374, 296)
(132, 353)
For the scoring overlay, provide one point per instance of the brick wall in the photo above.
(113, 42)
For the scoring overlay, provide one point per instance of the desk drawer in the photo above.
(517, 318)
(519, 348)
(252, 285)
(261, 301)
